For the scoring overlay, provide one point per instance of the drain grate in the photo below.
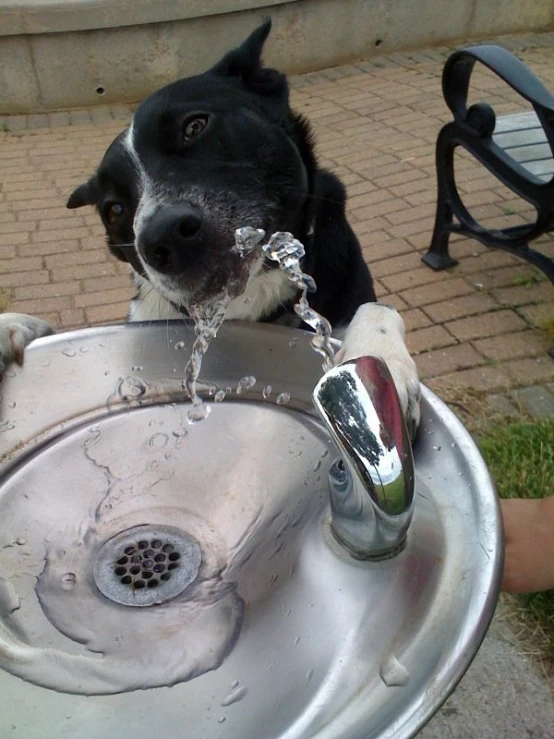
(146, 565)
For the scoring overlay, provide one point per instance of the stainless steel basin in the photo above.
(264, 628)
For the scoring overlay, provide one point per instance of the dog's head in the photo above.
(203, 157)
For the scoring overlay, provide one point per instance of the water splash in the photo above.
(237, 694)
(287, 251)
(393, 673)
(245, 383)
(207, 318)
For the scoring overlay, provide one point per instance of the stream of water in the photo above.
(287, 251)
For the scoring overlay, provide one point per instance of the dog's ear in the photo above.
(245, 63)
(86, 194)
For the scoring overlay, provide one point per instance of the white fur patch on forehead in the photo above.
(129, 143)
(148, 203)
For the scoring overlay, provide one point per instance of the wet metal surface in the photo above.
(282, 634)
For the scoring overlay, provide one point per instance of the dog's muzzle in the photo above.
(170, 240)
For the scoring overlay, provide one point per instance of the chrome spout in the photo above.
(372, 486)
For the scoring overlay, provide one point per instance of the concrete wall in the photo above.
(57, 54)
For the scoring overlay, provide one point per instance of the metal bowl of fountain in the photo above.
(165, 577)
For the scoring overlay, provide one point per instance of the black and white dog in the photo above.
(207, 155)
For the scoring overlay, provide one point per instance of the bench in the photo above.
(518, 149)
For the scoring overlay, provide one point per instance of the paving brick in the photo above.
(47, 291)
(537, 401)
(485, 379)
(70, 259)
(93, 299)
(530, 371)
(467, 305)
(394, 265)
(48, 247)
(412, 278)
(11, 266)
(512, 345)
(415, 318)
(40, 306)
(447, 360)
(109, 282)
(60, 235)
(111, 313)
(375, 249)
(524, 294)
(82, 271)
(23, 280)
(431, 337)
(501, 405)
(488, 324)
(72, 318)
(449, 287)
(538, 315)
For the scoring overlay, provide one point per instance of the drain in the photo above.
(146, 565)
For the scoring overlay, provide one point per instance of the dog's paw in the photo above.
(17, 331)
(378, 331)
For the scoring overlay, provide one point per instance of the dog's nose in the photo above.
(168, 240)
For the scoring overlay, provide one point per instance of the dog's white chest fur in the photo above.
(264, 293)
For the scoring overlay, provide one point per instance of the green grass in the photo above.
(4, 300)
(520, 457)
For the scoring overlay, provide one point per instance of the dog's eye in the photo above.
(114, 211)
(194, 127)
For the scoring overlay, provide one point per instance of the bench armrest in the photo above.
(459, 66)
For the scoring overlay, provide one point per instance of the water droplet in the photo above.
(324, 453)
(317, 465)
(158, 441)
(221, 720)
(12, 405)
(236, 695)
(69, 352)
(220, 396)
(68, 580)
(234, 684)
(6, 426)
(137, 368)
(180, 345)
(132, 388)
(292, 343)
(198, 412)
(437, 448)
(83, 349)
(20, 541)
(245, 383)
(297, 641)
(282, 398)
(393, 673)
(309, 675)
(266, 392)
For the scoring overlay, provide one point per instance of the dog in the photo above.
(202, 157)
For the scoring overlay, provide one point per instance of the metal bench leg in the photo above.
(438, 257)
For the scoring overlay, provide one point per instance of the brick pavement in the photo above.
(479, 328)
